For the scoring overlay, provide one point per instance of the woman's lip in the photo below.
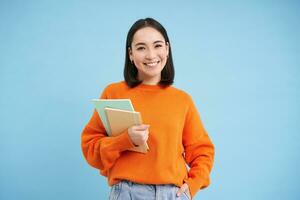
(152, 63)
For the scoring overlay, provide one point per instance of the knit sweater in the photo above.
(176, 138)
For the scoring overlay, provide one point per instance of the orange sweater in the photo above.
(176, 137)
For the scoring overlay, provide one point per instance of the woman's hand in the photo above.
(139, 134)
(182, 189)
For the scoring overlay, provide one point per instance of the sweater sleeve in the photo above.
(100, 150)
(199, 151)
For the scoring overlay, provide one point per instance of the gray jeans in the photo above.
(126, 190)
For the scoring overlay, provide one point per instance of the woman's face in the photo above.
(149, 52)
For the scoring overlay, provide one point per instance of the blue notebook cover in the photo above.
(100, 104)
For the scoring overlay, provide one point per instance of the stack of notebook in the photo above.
(117, 115)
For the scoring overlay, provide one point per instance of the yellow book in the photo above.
(120, 120)
(100, 104)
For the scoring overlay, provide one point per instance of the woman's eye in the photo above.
(140, 48)
(158, 46)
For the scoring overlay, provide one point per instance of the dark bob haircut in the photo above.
(130, 71)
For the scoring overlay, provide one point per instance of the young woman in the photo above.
(172, 129)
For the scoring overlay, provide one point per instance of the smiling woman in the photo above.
(147, 44)
(149, 52)
(172, 129)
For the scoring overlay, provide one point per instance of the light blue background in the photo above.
(238, 59)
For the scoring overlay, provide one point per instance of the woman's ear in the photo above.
(167, 48)
(130, 53)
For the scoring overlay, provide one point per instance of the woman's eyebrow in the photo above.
(142, 43)
(139, 43)
(158, 41)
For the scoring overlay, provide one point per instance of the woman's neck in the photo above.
(150, 80)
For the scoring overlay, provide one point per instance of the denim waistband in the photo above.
(127, 190)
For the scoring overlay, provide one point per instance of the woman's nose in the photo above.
(150, 54)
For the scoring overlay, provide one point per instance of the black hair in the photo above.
(130, 71)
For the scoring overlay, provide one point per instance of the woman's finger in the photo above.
(182, 189)
(141, 127)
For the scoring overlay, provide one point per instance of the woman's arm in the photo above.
(199, 151)
(100, 150)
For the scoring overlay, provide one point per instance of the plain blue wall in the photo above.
(238, 59)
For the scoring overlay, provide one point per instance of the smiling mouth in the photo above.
(151, 64)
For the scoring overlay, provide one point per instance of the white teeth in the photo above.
(152, 64)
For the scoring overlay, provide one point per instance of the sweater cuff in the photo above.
(194, 186)
(122, 141)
